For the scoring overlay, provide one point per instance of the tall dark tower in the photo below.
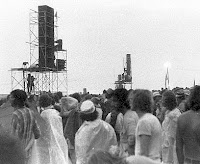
(128, 64)
(128, 75)
(46, 37)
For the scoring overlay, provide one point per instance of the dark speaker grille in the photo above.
(46, 37)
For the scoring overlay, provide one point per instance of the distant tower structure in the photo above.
(167, 86)
(126, 77)
(128, 74)
(84, 90)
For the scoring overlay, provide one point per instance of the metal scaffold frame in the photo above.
(52, 80)
(125, 78)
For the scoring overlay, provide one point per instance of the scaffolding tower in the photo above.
(45, 79)
(125, 79)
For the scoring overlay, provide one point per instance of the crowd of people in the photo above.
(117, 127)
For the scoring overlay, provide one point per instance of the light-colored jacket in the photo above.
(93, 135)
(169, 127)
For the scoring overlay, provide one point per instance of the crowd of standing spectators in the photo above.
(119, 126)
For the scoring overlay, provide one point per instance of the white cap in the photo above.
(87, 107)
(155, 94)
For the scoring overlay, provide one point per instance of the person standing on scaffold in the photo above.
(30, 83)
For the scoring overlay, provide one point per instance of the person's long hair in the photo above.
(45, 100)
(169, 100)
(142, 100)
(194, 99)
(19, 98)
(120, 95)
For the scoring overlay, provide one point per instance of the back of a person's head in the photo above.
(88, 97)
(156, 95)
(88, 111)
(19, 96)
(56, 98)
(11, 151)
(95, 100)
(194, 98)
(169, 100)
(76, 96)
(141, 100)
(109, 93)
(45, 100)
(69, 103)
(31, 98)
(121, 95)
(60, 95)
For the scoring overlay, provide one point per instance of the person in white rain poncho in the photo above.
(93, 134)
(169, 126)
(52, 147)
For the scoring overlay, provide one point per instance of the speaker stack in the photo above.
(46, 37)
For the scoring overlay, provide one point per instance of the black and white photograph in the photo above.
(100, 82)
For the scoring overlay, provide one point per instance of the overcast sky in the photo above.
(99, 33)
